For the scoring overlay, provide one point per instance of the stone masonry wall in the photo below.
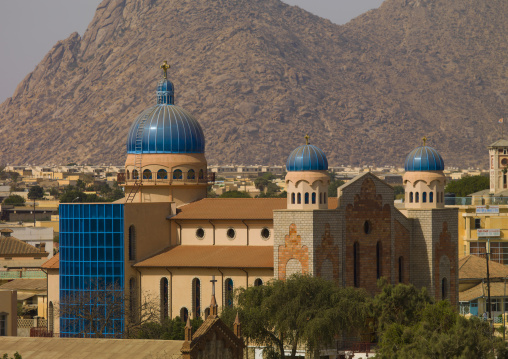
(402, 249)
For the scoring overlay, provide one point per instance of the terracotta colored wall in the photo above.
(291, 251)
(368, 206)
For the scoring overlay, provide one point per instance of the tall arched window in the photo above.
(147, 174)
(164, 289)
(410, 197)
(378, 260)
(135, 174)
(417, 197)
(177, 174)
(196, 298)
(191, 175)
(431, 197)
(299, 198)
(401, 269)
(184, 314)
(201, 174)
(444, 288)
(132, 243)
(293, 198)
(356, 264)
(314, 198)
(128, 174)
(162, 174)
(306, 197)
(229, 292)
(258, 282)
(51, 318)
(132, 298)
(424, 197)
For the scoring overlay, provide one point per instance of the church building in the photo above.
(166, 240)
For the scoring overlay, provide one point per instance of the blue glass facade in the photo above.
(91, 269)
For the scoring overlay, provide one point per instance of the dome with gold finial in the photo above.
(165, 127)
(424, 158)
(307, 158)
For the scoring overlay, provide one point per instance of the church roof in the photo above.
(212, 256)
(236, 208)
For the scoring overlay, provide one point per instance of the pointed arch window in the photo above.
(229, 292)
(196, 297)
(164, 289)
(356, 264)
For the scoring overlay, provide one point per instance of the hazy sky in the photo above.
(30, 28)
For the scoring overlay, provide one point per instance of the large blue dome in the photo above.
(307, 158)
(165, 127)
(424, 158)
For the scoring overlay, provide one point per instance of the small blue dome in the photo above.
(424, 158)
(307, 158)
(165, 127)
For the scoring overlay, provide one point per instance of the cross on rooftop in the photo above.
(213, 284)
(424, 140)
(165, 66)
(307, 139)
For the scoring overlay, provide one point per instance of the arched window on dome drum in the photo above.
(201, 174)
(229, 292)
(191, 175)
(164, 288)
(424, 197)
(147, 174)
(177, 174)
(306, 197)
(356, 264)
(135, 174)
(431, 197)
(320, 198)
(128, 174)
(314, 198)
(299, 198)
(411, 197)
(417, 197)
(292, 198)
(162, 174)
(324, 197)
(196, 297)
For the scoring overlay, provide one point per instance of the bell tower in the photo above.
(498, 166)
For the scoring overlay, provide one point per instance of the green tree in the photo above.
(72, 196)
(53, 191)
(16, 356)
(15, 200)
(36, 192)
(398, 192)
(168, 329)
(235, 194)
(334, 184)
(301, 311)
(263, 182)
(468, 185)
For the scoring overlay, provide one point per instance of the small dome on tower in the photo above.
(424, 158)
(165, 127)
(307, 158)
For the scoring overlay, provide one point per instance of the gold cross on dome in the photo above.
(307, 139)
(165, 66)
(424, 140)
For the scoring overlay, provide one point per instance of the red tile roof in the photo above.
(236, 208)
(474, 267)
(53, 263)
(212, 256)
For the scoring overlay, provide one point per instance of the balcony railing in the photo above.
(179, 178)
(457, 201)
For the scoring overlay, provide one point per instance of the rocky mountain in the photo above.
(260, 74)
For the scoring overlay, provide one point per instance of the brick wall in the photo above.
(402, 249)
(368, 222)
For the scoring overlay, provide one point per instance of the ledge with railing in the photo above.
(154, 180)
